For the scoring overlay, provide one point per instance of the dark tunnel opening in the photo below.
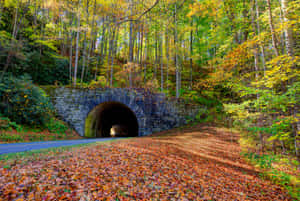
(111, 118)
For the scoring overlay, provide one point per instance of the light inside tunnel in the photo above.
(110, 116)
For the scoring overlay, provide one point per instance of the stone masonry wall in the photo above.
(154, 111)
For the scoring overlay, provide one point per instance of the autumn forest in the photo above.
(237, 58)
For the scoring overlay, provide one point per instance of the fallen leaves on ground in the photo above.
(202, 163)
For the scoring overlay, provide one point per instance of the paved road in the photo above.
(20, 147)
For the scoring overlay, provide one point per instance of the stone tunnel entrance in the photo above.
(111, 118)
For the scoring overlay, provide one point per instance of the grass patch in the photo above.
(54, 130)
(7, 137)
(34, 154)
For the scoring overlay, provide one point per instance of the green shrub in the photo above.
(4, 123)
(10, 138)
(23, 102)
(7, 124)
(56, 126)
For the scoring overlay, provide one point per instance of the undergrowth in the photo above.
(54, 130)
(271, 165)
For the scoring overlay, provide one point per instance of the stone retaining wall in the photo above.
(154, 111)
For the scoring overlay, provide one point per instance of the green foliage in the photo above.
(263, 161)
(208, 101)
(23, 102)
(47, 68)
(266, 163)
(100, 82)
(7, 124)
(5, 137)
(56, 126)
(281, 129)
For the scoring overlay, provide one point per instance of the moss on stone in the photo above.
(89, 130)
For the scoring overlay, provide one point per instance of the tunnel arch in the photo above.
(101, 118)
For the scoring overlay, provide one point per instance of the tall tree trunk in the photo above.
(274, 39)
(108, 55)
(288, 35)
(71, 50)
(83, 58)
(93, 33)
(116, 42)
(111, 47)
(93, 38)
(282, 35)
(14, 35)
(102, 39)
(1, 8)
(161, 64)
(106, 41)
(294, 111)
(141, 43)
(176, 56)
(256, 58)
(77, 44)
(255, 46)
(145, 61)
(262, 49)
(167, 57)
(156, 55)
(138, 43)
(131, 44)
(145, 51)
(71, 56)
(85, 43)
(101, 49)
(191, 56)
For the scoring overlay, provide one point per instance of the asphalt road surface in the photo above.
(28, 146)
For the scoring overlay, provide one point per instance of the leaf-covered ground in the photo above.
(202, 163)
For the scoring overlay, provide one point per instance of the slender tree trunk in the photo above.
(77, 44)
(1, 8)
(71, 50)
(262, 49)
(93, 38)
(176, 56)
(101, 49)
(116, 42)
(146, 52)
(282, 147)
(108, 55)
(93, 33)
(161, 64)
(191, 56)
(85, 43)
(255, 46)
(282, 35)
(14, 35)
(287, 30)
(256, 58)
(167, 57)
(141, 43)
(138, 44)
(106, 41)
(83, 57)
(294, 111)
(156, 55)
(130, 44)
(112, 44)
(145, 61)
(15, 20)
(274, 39)
(102, 39)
